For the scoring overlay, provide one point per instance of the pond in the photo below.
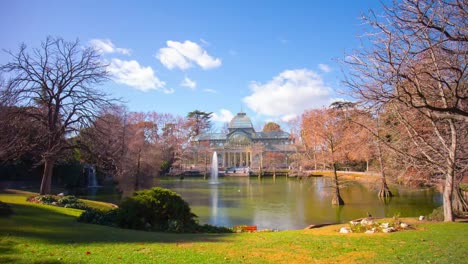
(290, 203)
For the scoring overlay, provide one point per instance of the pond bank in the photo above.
(45, 234)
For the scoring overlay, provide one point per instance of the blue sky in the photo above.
(272, 59)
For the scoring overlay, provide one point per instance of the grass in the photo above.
(351, 176)
(46, 234)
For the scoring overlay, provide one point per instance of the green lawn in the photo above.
(48, 234)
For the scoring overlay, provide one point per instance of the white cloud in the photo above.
(288, 94)
(288, 118)
(205, 43)
(184, 55)
(106, 46)
(168, 90)
(187, 82)
(325, 68)
(139, 77)
(223, 116)
(210, 91)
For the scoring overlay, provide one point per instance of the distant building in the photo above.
(242, 146)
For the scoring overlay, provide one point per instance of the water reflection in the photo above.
(292, 204)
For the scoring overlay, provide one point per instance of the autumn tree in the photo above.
(272, 127)
(104, 143)
(144, 150)
(416, 66)
(364, 133)
(326, 127)
(174, 136)
(126, 145)
(59, 79)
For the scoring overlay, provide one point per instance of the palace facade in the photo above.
(242, 146)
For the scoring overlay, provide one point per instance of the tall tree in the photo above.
(416, 65)
(199, 122)
(20, 135)
(326, 128)
(59, 80)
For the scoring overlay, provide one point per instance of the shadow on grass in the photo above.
(6, 251)
(48, 224)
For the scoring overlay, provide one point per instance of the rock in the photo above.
(421, 218)
(345, 230)
(404, 225)
(61, 194)
(370, 231)
(365, 222)
(354, 222)
(388, 230)
(384, 225)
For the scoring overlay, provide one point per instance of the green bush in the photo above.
(464, 187)
(157, 209)
(213, 229)
(47, 199)
(99, 217)
(436, 215)
(68, 201)
(71, 201)
(5, 209)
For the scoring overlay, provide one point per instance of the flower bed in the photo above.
(370, 226)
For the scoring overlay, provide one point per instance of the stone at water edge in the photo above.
(370, 231)
(404, 225)
(388, 230)
(384, 225)
(345, 230)
(421, 218)
(366, 221)
(354, 222)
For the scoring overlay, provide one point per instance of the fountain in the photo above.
(91, 172)
(214, 169)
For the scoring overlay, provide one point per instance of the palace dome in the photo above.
(241, 120)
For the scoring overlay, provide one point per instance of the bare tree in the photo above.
(58, 79)
(416, 64)
(326, 127)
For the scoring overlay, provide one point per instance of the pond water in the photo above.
(284, 203)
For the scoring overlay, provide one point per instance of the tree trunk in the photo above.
(450, 177)
(205, 173)
(384, 191)
(315, 161)
(260, 173)
(336, 200)
(46, 183)
(447, 196)
(137, 176)
(459, 204)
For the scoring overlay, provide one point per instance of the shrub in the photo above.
(47, 199)
(213, 229)
(464, 187)
(5, 209)
(436, 215)
(157, 209)
(99, 217)
(68, 201)
(71, 201)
